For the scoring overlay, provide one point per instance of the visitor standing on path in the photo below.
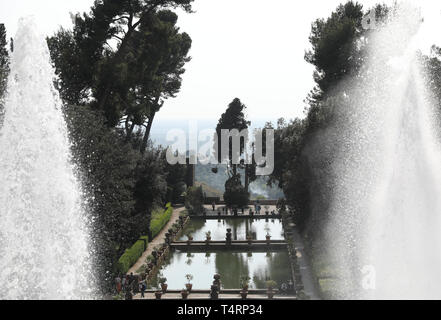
(135, 285)
(257, 207)
(143, 288)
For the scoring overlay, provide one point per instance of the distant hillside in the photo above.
(214, 183)
(160, 128)
(209, 191)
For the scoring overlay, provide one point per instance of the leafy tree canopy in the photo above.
(125, 57)
(233, 118)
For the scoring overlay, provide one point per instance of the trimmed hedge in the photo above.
(131, 255)
(160, 219)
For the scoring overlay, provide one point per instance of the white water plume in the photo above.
(44, 242)
(386, 204)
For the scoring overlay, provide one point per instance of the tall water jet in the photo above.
(44, 246)
(384, 231)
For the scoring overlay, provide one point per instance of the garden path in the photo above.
(157, 241)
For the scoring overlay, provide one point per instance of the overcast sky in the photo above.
(251, 49)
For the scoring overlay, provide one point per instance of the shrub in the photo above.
(271, 284)
(194, 200)
(281, 205)
(159, 219)
(235, 194)
(131, 255)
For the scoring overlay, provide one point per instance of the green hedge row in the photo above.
(160, 219)
(131, 255)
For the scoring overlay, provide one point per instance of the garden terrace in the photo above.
(213, 215)
(234, 246)
(223, 295)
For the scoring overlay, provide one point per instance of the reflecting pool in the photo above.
(258, 228)
(260, 267)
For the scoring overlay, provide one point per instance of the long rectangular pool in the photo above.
(258, 228)
(260, 267)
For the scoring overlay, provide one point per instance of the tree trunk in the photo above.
(145, 140)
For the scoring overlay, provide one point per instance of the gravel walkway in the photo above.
(157, 241)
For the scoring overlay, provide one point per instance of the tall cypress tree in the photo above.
(233, 118)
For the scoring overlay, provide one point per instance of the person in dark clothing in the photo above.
(143, 288)
(135, 285)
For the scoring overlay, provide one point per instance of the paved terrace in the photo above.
(221, 213)
(235, 246)
(233, 294)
